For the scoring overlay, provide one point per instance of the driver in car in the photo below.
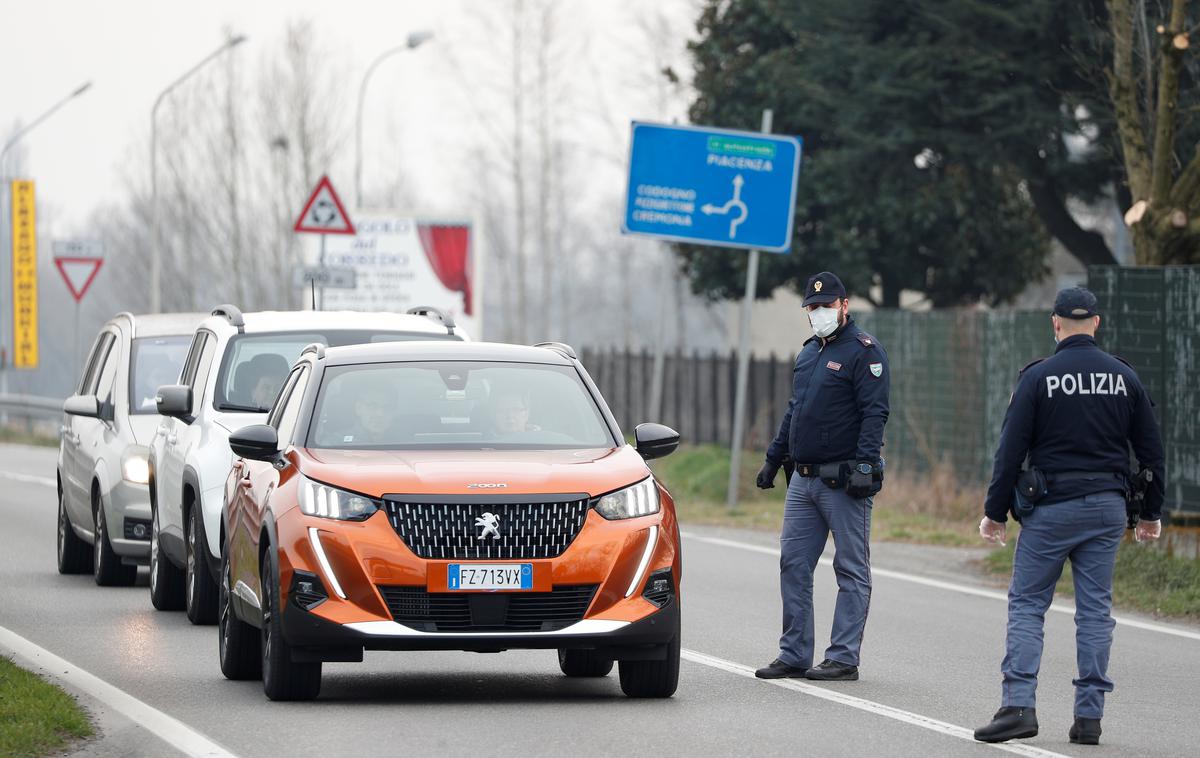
(510, 413)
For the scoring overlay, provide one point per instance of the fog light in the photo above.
(136, 529)
(307, 590)
(659, 588)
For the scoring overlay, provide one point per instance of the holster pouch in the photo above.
(1031, 488)
(833, 474)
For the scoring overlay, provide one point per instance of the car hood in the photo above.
(377, 473)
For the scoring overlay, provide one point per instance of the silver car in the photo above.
(103, 497)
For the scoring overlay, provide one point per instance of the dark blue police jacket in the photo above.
(839, 400)
(1077, 411)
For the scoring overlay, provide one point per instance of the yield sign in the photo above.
(78, 273)
(324, 213)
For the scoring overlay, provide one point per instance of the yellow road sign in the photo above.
(24, 268)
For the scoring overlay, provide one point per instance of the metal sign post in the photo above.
(716, 187)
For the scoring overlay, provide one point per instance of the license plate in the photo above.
(490, 576)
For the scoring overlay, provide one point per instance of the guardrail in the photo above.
(31, 406)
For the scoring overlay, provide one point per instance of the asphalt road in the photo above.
(930, 668)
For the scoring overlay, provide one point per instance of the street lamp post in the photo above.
(4, 173)
(415, 39)
(156, 243)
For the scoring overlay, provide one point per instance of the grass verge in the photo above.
(1145, 579)
(36, 717)
(22, 437)
(935, 511)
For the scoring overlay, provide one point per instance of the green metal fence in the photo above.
(952, 375)
(1151, 317)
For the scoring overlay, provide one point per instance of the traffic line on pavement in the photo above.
(950, 586)
(172, 731)
(29, 478)
(869, 706)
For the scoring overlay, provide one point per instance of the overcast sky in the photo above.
(131, 49)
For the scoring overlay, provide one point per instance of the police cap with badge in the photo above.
(823, 288)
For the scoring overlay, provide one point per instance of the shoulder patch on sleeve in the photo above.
(1026, 367)
(866, 339)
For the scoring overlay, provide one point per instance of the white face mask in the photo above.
(824, 321)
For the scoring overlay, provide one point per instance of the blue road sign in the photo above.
(712, 186)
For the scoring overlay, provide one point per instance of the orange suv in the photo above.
(446, 496)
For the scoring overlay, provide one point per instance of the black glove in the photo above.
(860, 485)
(766, 475)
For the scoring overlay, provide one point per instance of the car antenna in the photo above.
(313, 282)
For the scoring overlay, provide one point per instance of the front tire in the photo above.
(583, 663)
(166, 581)
(652, 678)
(107, 568)
(238, 644)
(74, 555)
(201, 589)
(283, 679)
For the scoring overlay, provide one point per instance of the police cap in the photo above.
(1075, 302)
(823, 288)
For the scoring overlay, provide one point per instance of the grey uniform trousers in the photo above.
(1087, 531)
(811, 511)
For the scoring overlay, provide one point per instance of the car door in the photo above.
(76, 471)
(168, 474)
(258, 479)
(94, 435)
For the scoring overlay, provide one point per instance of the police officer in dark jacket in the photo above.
(1074, 415)
(831, 433)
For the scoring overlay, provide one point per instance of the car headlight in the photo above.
(135, 467)
(640, 499)
(318, 499)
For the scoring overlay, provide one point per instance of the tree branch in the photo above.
(1086, 246)
(1168, 93)
(1123, 91)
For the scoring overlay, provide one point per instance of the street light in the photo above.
(4, 173)
(415, 39)
(156, 251)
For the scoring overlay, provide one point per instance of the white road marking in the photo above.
(861, 704)
(30, 479)
(170, 730)
(1068, 608)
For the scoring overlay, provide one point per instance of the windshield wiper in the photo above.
(242, 408)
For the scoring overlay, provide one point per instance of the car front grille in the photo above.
(425, 611)
(434, 528)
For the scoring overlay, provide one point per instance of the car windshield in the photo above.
(456, 405)
(153, 362)
(255, 365)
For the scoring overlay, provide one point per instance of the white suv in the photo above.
(233, 372)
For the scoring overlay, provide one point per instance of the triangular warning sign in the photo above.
(324, 213)
(78, 273)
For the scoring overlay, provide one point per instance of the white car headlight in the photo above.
(640, 499)
(135, 466)
(318, 499)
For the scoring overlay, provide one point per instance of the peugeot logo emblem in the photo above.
(491, 525)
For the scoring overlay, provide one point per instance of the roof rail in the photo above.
(232, 314)
(132, 321)
(434, 313)
(561, 348)
(314, 347)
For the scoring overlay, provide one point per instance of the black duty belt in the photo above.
(811, 469)
(1077, 476)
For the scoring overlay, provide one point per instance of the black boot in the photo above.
(833, 671)
(1085, 731)
(777, 669)
(1009, 723)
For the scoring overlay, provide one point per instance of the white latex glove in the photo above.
(1147, 530)
(993, 531)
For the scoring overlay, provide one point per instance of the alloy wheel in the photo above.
(154, 552)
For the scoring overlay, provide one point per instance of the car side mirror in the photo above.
(258, 442)
(655, 440)
(82, 405)
(175, 401)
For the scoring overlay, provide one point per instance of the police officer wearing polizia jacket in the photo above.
(831, 434)
(1075, 414)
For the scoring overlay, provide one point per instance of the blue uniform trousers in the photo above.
(811, 511)
(1086, 531)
